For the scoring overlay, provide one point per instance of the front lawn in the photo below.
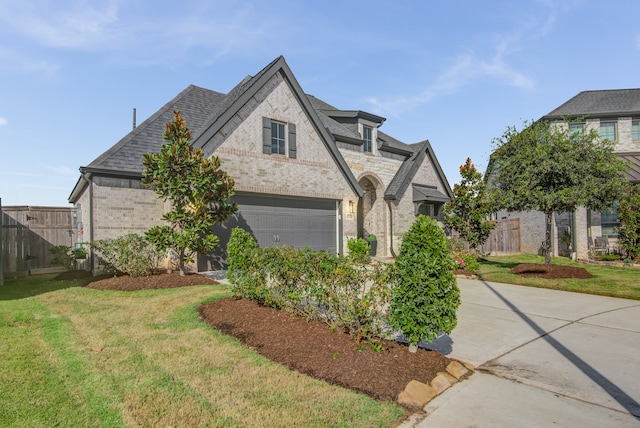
(607, 280)
(74, 356)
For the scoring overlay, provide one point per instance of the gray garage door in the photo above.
(287, 221)
(295, 222)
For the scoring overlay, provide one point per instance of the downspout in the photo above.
(89, 181)
(393, 254)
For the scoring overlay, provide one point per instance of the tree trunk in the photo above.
(181, 263)
(547, 240)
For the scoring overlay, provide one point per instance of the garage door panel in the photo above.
(293, 222)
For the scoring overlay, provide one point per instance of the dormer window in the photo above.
(367, 136)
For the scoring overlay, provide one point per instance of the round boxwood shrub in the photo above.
(425, 293)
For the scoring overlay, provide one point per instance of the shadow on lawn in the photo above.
(499, 264)
(30, 286)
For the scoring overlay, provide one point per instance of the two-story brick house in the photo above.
(306, 173)
(615, 114)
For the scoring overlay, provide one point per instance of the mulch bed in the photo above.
(308, 347)
(152, 282)
(551, 271)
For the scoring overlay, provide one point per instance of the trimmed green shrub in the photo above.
(359, 250)
(425, 293)
(241, 252)
(131, 255)
(317, 285)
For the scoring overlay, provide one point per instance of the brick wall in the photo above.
(119, 211)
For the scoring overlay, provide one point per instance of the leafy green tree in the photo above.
(468, 211)
(547, 168)
(198, 189)
(629, 216)
(425, 295)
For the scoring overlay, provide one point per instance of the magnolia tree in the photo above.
(469, 209)
(197, 188)
(546, 167)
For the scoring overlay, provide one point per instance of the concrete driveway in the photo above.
(543, 358)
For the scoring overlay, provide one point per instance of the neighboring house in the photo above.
(616, 115)
(307, 174)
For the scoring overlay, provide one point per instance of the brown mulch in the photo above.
(152, 282)
(551, 271)
(308, 347)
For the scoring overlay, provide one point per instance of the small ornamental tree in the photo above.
(425, 295)
(547, 168)
(468, 211)
(197, 188)
(629, 216)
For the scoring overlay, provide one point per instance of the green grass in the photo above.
(607, 280)
(72, 356)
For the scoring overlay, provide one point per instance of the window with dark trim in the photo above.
(609, 221)
(367, 133)
(278, 138)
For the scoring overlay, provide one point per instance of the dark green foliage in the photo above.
(359, 250)
(198, 189)
(239, 249)
(316, 285)
(629, 216)
(131, 255)
(425, 293)
(467, 213)
(63, 255)
(546, 168)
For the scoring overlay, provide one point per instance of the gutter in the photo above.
(393, 254)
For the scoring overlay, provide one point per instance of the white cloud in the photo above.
(76, 25)
(466, 69)
(3, 121)
(59, 169)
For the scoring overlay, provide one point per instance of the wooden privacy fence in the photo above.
(504, 239)
(27, 235)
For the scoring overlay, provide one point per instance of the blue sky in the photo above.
(454, 72)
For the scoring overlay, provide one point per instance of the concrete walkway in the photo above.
(544, 358)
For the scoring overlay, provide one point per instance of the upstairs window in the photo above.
(576, 130)
(278, 138)
(608, 131)
(367, 133)
(635, 130)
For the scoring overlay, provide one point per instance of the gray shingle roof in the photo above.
(196, 105)
(605, 103)
(408, 169)
(205, 110)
